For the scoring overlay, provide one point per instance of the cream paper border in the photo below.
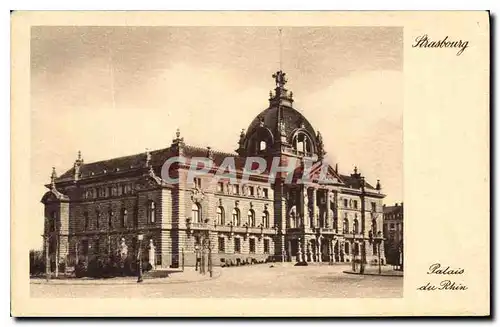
(446, 167)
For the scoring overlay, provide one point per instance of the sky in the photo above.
(113, 91)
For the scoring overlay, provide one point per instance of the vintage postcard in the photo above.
(250, 164)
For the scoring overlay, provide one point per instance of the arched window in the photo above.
(301, 143)
(356, 225)
(110, 219)
(346, 226)
(196, 213)
(124, 217)
(220, 215)
(251, 218)
(265, 219)
(262, 145)
(346, 248)
(151, 212)
(236, 217)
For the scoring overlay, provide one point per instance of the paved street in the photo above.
(248, 281)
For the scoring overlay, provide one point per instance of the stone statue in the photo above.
(123, 249)
(152, 254)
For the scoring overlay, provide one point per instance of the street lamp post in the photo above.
(139, 256)
(379, 242)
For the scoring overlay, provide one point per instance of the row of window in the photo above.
(196, 216)
(124, 217)
(349, 203)
(237, 245)
(247, 190)
(356, 229)
(108, 191)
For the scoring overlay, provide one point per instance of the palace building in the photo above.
(94, 208)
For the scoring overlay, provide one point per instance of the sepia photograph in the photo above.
(250, 164)
(217, 161)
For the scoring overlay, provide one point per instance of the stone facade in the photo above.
(93, 206)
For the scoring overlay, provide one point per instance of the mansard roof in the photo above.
(354, 182)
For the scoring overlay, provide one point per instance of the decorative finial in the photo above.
(261, 121)
(270, 94)
(148, 157)
(210, 153)
(282, 127)
(378, 187)
(53, 176)
(321, 148)
(280, 79)
(178, 141)
(79, 155)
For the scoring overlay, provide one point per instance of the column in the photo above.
(319, 248)
(289, 257)
(328, 216)
(314, 214)
(336, 211)
(304, 249)
(299, 250)
(304, 209)
(332, 250)
(309, 251)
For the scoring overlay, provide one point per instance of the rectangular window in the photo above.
(250, 190)
(237, 245)
(219, 187)
(97, 219)
(97, 245)
(345, 203)
(110, 219)
(355, 204)
(222, 245)
(392, 226)
(252, 245)
(266, 246)
(84, 247)
(265, 193)
(236, 189)
(374, 206)
(85, 220)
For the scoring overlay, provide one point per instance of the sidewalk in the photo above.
(370, 271)
(174, 277)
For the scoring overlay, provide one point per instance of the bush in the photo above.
(37, 263)
(80, 270)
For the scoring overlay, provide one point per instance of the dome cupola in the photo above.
(280, 129)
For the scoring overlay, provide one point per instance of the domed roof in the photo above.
(280, 127)
(291, 118)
